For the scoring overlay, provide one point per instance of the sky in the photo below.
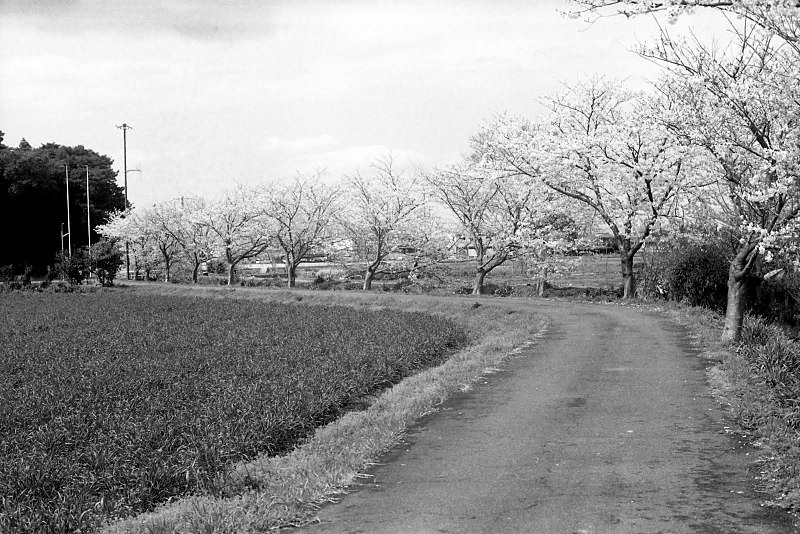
(220, 92)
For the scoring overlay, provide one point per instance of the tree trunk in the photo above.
(368, 276)
(734, 312)
(541, 285)
(477, 287)
(291, 271)
(740, 267)
(231, 273)
(628, 277)
(195, 270)
(166, 269)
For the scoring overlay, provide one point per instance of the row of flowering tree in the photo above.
(375, 212)
(383, 210)
(236, 225)
(503, 216)
(525, 190)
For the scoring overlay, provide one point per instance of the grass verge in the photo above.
(279, 491)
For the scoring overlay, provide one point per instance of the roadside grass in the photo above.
(111, 403)
(759, 383)
(272, 492)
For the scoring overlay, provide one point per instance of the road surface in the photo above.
(605, 425)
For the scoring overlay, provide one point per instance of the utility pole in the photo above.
(125, 129)
(88, 213)
(69, 226)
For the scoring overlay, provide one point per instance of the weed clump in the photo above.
(765, 373)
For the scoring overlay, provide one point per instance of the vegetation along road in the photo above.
(605, 425)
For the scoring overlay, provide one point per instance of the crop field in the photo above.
(111, 403)
(586, 271)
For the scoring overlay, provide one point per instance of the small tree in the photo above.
(106, 258)
(742, 106)
(187, 228)
(143, 230)
(383, 212)
(75, 267)
(302, 213)
(237, 225)
(502, 215)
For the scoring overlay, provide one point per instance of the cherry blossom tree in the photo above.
(384, 211)
(502, 215)
(742, 105)
(603, 147)
(183, 220)
(302, 213)
(238, 225)
(778, 17)
(152, 246)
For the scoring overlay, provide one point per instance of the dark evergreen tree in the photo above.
(33, 200)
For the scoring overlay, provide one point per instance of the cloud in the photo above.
(304, 144)
(337, 163)
(196, 19)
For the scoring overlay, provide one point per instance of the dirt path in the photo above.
(605, 425)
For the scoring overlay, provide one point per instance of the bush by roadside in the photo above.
(682, 271)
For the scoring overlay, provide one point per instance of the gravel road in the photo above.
(604, 425)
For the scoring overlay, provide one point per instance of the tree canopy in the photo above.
(33, 199)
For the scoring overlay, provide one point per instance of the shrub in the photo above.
(695, 273)
(59, 286)
(325, 285)
(75, 267)
(106, 259)
(774, 361)
(11, 280)
(504, 290)
(6, 274)
(778, 298)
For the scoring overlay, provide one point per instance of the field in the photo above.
(113, 402)
(586, 274)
